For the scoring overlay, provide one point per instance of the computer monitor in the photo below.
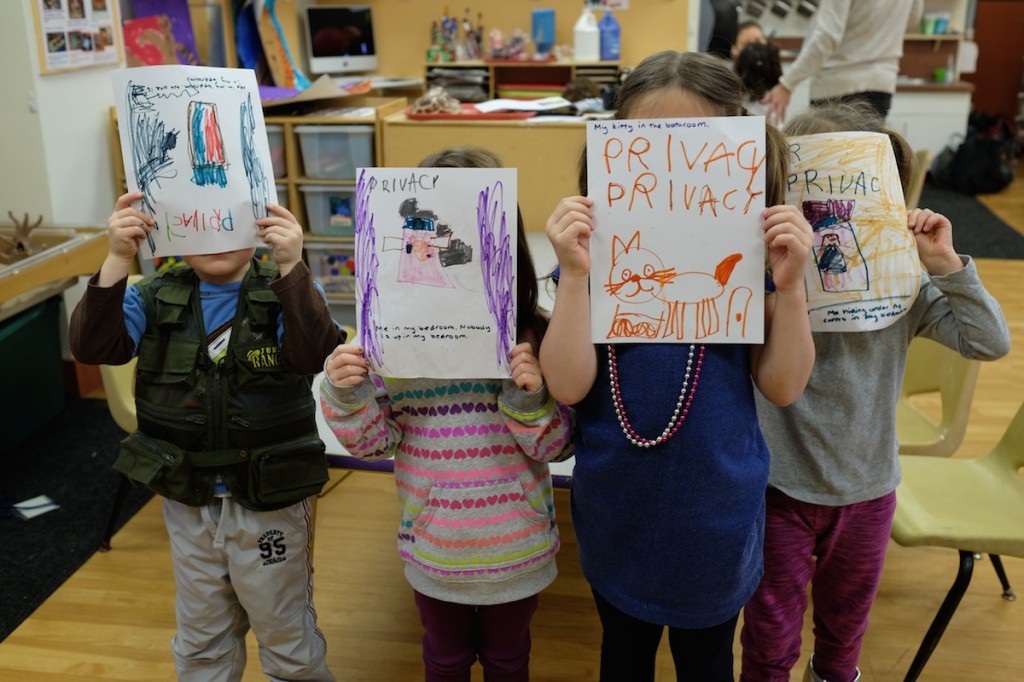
(339, 39)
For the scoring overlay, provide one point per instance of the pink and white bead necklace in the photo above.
(682, 405)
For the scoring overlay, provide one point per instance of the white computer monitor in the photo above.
(339, 39)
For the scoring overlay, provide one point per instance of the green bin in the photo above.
(31, 371)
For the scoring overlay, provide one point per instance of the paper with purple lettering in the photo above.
(677, 250)
(436, 271)
(864, 271)
(194, 141)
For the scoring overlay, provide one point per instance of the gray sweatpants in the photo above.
(235, 569)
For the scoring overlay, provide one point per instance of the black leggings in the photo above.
(629, 648)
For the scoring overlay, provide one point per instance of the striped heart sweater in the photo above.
(478, 517)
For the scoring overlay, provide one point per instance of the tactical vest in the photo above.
(248, 421)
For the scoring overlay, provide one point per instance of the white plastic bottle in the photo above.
(586, 37)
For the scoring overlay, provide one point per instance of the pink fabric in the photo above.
(456, 634)
(849, 544)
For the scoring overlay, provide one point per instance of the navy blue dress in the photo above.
(672, 534)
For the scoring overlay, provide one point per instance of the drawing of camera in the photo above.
(457, 253)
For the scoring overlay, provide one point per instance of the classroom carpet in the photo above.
(68, 460)
(977, 231)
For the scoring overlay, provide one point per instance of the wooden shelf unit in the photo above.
(490, 76)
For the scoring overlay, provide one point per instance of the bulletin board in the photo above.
(76, 34)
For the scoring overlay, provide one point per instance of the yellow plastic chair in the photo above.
(934, 368)
(119, 388)
(970, 505)
(918, 173)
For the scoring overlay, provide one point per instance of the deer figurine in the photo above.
(20, 245)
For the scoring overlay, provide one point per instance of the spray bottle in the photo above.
(609, 30)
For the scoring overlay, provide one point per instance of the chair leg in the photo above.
(997, 564)
(942, 618)
(123, 488)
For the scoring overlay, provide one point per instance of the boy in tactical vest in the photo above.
(226, 348)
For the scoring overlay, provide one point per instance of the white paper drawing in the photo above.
(194, 142)
(677, 250)
(436, 270)
(864, 270)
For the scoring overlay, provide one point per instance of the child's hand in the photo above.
(934, 236)
(525, 367)
(788, 236)
(282, 232)
(569, 228)
(346, 365)
(127, 226)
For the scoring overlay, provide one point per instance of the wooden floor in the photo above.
(114, 618)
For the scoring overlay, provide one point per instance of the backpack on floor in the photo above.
(980, 162)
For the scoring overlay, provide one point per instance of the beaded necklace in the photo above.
(682, 404)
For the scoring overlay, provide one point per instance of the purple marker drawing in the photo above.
(367, 266)
(497, 268)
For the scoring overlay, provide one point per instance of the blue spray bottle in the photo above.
(609, 29)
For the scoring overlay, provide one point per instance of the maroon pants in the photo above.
(457, 634)
(840, 551)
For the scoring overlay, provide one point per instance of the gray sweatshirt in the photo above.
(836, 445)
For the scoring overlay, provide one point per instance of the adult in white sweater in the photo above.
(851, 54)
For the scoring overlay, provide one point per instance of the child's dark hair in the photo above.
(713, 80)
(759, 67)
(837, 117)
(531, 320)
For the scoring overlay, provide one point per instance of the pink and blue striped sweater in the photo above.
(478, 517)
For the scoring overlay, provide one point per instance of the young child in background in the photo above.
(669, 528)
(747, 33)
(759, 67)
(226, 347)
(831, 494)
(476, 570)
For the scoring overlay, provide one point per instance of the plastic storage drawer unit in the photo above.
(333, 265)
(329, 210)
(335, 151)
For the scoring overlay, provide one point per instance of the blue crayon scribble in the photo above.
(150, 144)
(255, 173)
(497, 267)
(367, 266)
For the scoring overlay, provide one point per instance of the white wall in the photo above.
(56, 159)
(23, 181)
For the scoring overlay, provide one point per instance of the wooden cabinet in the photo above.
(930, 120)
(546, 154)
(477, 81)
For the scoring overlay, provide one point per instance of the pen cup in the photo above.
(928, 22)
(940, 74)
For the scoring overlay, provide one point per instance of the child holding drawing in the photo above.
(831, 493)
(478, 531)
(669, 527)
(226, 348)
